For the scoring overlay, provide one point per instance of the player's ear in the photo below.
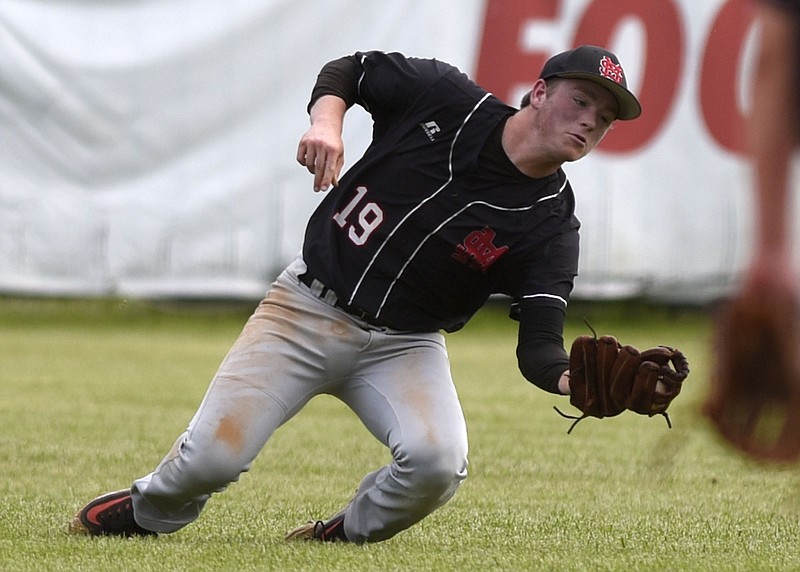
(538, 93)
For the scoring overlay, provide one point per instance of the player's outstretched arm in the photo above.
(321, 149)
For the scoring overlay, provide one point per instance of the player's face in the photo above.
(575, 116)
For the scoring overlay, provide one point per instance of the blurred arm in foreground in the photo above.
(755, 394)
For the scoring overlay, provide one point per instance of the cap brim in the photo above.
(629, 107)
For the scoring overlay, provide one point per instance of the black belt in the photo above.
(326, 294)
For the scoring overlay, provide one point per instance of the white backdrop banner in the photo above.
(147, 148)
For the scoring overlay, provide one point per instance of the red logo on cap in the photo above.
(611, 70)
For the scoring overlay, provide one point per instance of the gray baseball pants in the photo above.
(296, 346)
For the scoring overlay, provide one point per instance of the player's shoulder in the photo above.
(392, 80)
(410, 67)
(378, 57)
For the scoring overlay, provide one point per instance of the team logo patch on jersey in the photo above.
(610, 70)
(431, 128)
(478, 250)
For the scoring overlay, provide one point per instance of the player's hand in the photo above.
(321, 149)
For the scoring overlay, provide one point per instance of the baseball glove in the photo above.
(606, 378)
(754, 398)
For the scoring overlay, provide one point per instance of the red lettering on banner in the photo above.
(663, 58)
(504, 65)
(722, 114)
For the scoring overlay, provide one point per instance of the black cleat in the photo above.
(108, 515)
(331, 531)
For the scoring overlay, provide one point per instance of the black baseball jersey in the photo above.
(426, 226)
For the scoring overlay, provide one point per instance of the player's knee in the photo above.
(214, 469)
(435, 472)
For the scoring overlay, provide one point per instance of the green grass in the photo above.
(92, 394)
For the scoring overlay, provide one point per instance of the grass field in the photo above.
(92, 394)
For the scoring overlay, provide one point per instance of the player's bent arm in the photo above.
(321, 149)
(541, 356)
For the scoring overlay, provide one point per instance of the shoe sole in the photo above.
(77, 528)
(303, 532)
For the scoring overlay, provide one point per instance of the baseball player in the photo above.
(458, 197)
(756, 375)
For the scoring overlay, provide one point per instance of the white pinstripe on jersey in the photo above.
(453, 216)
(416, 208)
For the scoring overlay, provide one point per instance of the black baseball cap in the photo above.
(600, 66)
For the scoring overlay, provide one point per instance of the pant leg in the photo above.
(404, 394)
(286, 354)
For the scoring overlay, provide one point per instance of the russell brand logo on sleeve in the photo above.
(431, 128)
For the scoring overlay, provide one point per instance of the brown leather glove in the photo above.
(606, 378)
(754, 399)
